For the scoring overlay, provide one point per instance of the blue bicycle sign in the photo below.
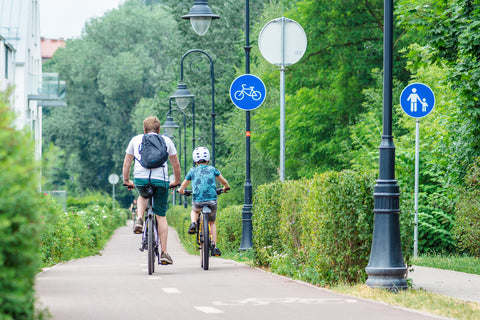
(247, 92)
(250, 92)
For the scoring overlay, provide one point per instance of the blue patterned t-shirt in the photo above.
(203, 182)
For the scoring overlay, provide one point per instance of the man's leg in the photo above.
(141, 207)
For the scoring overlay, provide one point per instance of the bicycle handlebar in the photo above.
(218, 190)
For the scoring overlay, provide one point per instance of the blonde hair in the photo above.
(151, 124)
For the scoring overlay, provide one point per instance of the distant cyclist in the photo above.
(204, 191)
(133, 209)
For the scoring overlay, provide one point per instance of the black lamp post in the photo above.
(170, 126)
(200, 16)
(386, 268)
(246, 242)
(182, 96)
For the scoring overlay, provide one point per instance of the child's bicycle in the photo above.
(150, 239)
(204, 237)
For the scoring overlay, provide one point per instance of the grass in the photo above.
(417, 300)
(452, 262)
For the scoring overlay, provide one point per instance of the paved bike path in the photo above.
(115, 285)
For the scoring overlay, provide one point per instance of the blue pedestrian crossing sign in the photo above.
(417, 100)
(247, 92)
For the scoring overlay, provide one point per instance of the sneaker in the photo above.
(216, 252)
(165, 258)
(193, 228)
(138, 228)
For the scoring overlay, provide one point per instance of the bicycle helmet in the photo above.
(201, 153)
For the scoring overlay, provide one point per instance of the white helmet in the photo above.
(201, 153)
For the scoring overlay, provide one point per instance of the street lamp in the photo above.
(247, 227)
(182, 96)
(386, 268)
(169, 127)
(200, 16)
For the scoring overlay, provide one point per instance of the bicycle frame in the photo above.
(204, 237)
(150, 240)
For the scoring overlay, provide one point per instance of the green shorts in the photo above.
(160, 195)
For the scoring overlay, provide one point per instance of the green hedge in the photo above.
(19, 219)
(319, 230)
(80, 231)
(467, 221)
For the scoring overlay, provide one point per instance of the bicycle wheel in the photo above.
(151, 242)
(206, 242)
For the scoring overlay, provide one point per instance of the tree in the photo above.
(121, 58)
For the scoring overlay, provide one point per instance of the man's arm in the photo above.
(176, 170)
(127, 163)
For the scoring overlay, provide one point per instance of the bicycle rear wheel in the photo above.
(205, 248)
(151, 242)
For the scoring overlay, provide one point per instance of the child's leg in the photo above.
(213, 230)
(194, 216)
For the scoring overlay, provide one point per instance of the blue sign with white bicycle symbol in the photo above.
(247, 92)
(417, 100)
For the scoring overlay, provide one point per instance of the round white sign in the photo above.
(282, 42)
(113, 178)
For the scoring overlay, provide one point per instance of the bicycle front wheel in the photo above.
(205, 249)
(151, 242)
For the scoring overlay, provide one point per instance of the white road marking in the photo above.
(208, 310)
(154, 277)
(171, 290)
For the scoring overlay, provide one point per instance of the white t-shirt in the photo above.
(140, 172)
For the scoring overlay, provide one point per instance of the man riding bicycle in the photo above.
(158, 177)
(204, 191)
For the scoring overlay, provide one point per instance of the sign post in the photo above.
(417, 101)
(282, 42)
(113, 179)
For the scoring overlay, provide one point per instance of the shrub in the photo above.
(467, 222)
(78, 232)
(19, 220)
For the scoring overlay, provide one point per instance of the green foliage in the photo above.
(229, 228)
(318, 230)
(82, 230)
(467, 227)
(19, 220)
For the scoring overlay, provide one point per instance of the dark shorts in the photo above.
(197, 206)
(160, 195)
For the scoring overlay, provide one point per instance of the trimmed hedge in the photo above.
(19, 225)
(319, 230)
(467, 220)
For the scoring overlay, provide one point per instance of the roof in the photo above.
(49, 46)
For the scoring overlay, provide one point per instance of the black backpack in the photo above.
(153, 151)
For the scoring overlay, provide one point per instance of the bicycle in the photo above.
(240, 94)
(150, 239)
(203, 228)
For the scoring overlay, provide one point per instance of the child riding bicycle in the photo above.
(204, 191)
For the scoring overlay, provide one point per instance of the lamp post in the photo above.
(182, 95)
(386, 268)
(200, 16)
(170, 126)
(246, 242)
